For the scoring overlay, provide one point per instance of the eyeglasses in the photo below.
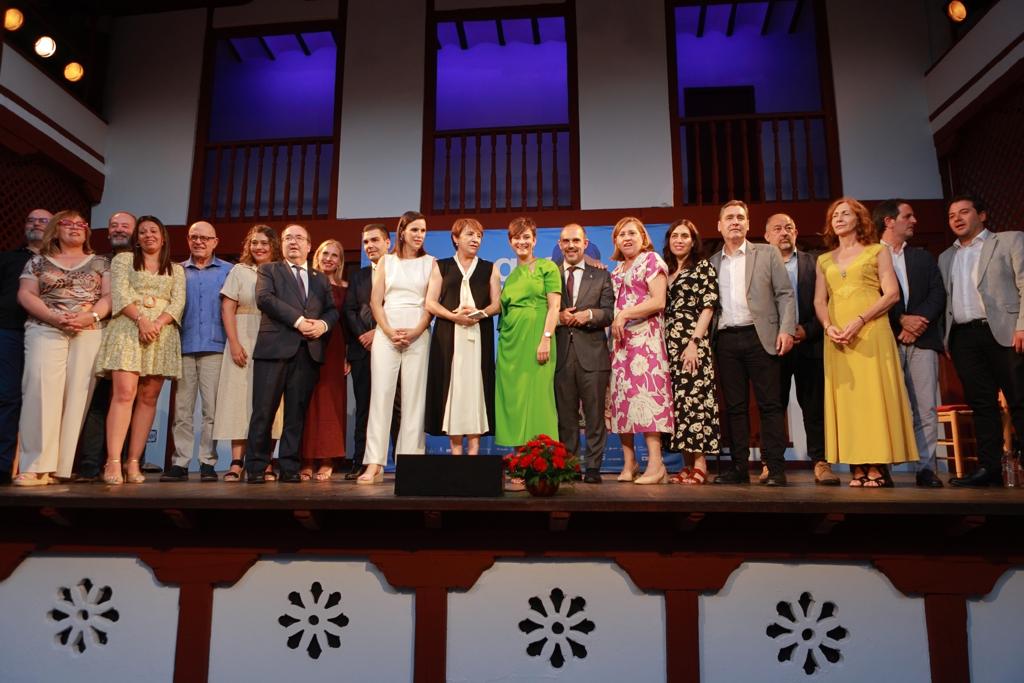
(68, 223)
(202, 239)
(294, 238)
(38, 219)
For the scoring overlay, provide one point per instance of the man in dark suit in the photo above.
(983, 273)
(298, 314)
(916, 322)
(360, 326)
(583, 366)
(804, 364)
(755, 326)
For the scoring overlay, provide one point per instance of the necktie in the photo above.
(298, 278)
(570, 282)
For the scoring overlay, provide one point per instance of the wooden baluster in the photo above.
(462, 173)
(728, 161)
(301, 205)
(478, 155)
(714, 163)
(525, 182)
(288, 183)
(793, 171)
(508, 171)
(316, 179)
(760, 158)
(243, 203)
(810, 158)
(215, 195)
(745, 142)
(447, 173)
(494, 172)
(699, 163)
(540, 170)
(554, 170)
(273, 180)
(258, 209)
(231, 183)
(778, 162)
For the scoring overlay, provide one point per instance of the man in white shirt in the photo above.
(984, 277)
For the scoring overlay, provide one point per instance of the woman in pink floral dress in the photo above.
(641, 390)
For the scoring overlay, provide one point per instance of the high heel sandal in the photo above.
(648, 478)
(630, 475)
(112, 479)
(138, 477)
(233, 475)
(368, 479)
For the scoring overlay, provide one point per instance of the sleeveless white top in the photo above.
(405, 288)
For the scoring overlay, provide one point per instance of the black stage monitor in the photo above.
(480, 476)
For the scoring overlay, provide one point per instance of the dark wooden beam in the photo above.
(303, 45)
(796, 16)
(535, 27)
(702, 20)
(767, 17)
(501, 32)
(731, 27)
(460, 28)
(266, 48)
(234, 50)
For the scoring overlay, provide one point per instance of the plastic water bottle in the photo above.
(1009, 470)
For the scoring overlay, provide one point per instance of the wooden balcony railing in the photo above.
(757, 158)
(502, 169)
(268, 179)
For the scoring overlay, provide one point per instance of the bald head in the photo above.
(202, 241)
(120, 229)
(295, 243)
(35, 224)
(780, 232)
(573, 243)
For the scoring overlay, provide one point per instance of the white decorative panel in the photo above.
(564, 621)
(995, 632)
(311, 620)
(86, 618)
(811, 622)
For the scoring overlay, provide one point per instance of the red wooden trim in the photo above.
(277, 29)
(945, 137)
(949, 656)
(572, 82)
(27, 106)
(341, 43)
(828, 99)
(976, 77)
(195, 199)
(11, 556)
(554, 9)
(682, 636)
(430, 653)
(429, 109)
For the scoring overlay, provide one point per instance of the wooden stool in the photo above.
(957, 416)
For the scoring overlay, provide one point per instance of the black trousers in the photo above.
(985, 367)
(12, 364)
(361, 383)
(295, 379)
(809, 374)
(742, 361)
(573, 384)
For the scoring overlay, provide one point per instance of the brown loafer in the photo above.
(823, 474)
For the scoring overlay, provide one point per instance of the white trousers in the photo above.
(56, 389)
(386, 362)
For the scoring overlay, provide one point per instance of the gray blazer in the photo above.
(1000, 283)
(769, 293)
(589, 343)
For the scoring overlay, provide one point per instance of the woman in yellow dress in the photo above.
(867, 414)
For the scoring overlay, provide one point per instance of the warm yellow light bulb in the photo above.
(46, 46)
(13, 19)
(957, 11)
(74, 72)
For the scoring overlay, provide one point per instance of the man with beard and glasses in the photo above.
(12, 336)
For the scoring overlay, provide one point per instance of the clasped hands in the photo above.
(913, 327)
(402, 337)
(73, 323)
(312, 329)
(462, 316)
(149, 330)
(844, 336)
(572, 317)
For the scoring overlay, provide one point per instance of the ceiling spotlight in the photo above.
(74, 72)
(46, 46)
(13, 19)
(957, 11)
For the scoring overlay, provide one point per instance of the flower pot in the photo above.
(542, 488)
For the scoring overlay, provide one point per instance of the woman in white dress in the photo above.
(463, 295)
(241, 325)
(397, 301)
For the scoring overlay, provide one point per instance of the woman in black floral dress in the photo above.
(692, 298)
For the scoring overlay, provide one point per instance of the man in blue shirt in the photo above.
(202, 350)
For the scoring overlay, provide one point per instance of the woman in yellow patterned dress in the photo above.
(141, 346)
(867, 415)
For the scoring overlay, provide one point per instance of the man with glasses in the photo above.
(202, 350)
(12, 336)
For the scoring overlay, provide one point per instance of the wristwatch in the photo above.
(547, 335)
(96, 317)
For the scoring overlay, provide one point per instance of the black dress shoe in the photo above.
(980, 477)
(354, 472)
(258, 478)
(175, 473)
(84, 478)
(778, 479)
(289, 478)
(150, 468)
(592, 477)
(207, 473)
(733, 477)
(927, 479)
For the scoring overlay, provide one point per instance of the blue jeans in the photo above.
(12, 364)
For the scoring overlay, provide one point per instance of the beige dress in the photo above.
(152, 294)
(234, 390)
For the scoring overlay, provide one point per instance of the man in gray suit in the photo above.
(984, 277)
(755, 327)
(583, 367)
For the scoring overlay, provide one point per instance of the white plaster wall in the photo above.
(275, 11)
(152, 105)
(996, 30)
(994, 633)
(885, 142)
(382, 109)
(624, 128)
(23, 78)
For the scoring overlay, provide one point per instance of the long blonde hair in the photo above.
(335, 279)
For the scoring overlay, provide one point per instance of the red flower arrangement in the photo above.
(542, 461)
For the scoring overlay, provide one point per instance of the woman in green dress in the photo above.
(524, 403)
